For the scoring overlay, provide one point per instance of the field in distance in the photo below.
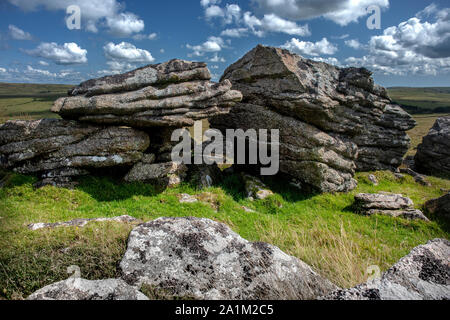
(422, 100)
(29, 101)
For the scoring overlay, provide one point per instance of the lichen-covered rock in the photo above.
(332, 120)
(433, 154)
(424, 274)
(200, 258)
(394, 205)
(171, 94)
(167, 174)
(439, 207)
(81, 289)
(57, 150)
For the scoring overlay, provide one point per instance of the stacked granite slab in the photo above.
(122, 120)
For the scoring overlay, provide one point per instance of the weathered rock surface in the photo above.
(204, 259)
(171, 94)
(394, 205)
(439, 207)
(424, 274)
(57, 150)
(331, 120)
(433, 154)
(167, 174)
(80, 222)
(81, 289)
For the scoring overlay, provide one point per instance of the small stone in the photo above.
(246, 209)
(373, 179)
(255, 188)
(186, 198)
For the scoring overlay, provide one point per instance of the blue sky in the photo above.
(412, 48)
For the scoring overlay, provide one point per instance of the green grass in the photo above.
(319, 229)
(420, 100)
(29, 101)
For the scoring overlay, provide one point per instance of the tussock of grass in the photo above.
(319, 229)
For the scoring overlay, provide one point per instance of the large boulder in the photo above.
(439, 207)
(81, 289)
(332, 120)
(433, 154)
(204, 259)
(171, 94)
(424, 274)
(58, 150)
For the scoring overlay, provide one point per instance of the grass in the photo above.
(422, 100)
(319, 229)
(29, 101)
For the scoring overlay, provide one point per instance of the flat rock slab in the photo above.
(424, 274)
(167, 174)
(172, 94)
(204, 259)
(80, 222)
(81, 289)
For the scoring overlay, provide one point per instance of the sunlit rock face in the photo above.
(332, 120)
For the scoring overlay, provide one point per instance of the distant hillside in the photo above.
(29, 101)
(422, 100)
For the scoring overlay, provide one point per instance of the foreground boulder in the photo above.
(424, 274)
(433, 154)
(332, 120)
(394, 205)
(203, 259)
(170, 94)
(58, 150)
(81, 289)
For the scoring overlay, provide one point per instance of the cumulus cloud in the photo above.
(3, 70)
(18, 34)
(341, 12)
(43, 63)
(124, 24)
(414, 46)
(322, 47)
(125, 51)
(213, 44)
(217, 59)
(354, 43)
(66, 54)
(94, 13)
(234, 33)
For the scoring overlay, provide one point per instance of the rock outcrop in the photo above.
(81, 289)
(433, 154)
(394, 205)
(203, 259)
(439, 207)
(170, 94)
(332, 120)
(58, 150)
(424, 274)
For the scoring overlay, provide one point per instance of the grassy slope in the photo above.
(29, 101)
(423, 98)
(319, 229)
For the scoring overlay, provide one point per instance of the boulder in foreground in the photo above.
(204, 259)
(424, 274)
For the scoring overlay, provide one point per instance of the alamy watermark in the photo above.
(236, 143)
(73, 20)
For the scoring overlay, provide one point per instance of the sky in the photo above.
(409, 47)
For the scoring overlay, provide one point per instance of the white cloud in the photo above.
(341, 12)
(330, 60)
(94, 13)
(18, 34)
(125, 51)
(214, 12)
(354, 43)
(68, 53)
(124, 24)
(3, 70)
(322, 47)
(217, 59)
(412, 47)
(207, 3)
(213, 44)
(234, 33)
(151, 36)
(43, 63)
(273, 23)
(230, 13)
(41, 72)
